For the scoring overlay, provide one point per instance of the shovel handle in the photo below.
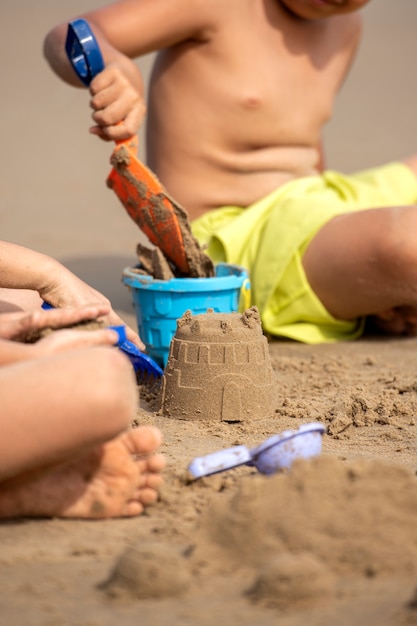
(83, 51)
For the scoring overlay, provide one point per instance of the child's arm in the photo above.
(126, 30)
(117, 93)
(22, 268)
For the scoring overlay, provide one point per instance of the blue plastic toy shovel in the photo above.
(146, 369)
(275, 453)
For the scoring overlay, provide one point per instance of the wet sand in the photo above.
(332, 542)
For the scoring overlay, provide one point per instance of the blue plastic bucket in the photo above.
(159, 303)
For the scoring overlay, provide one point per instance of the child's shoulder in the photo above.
(346, 31)
(350, 23)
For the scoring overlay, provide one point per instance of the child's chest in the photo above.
(289, 83)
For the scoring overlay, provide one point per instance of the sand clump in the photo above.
(356, 518)
(291, 542)
(153, 570)
(219, 368)
(289, 579)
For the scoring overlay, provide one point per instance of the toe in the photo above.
(133, 508)
(147, 496)
(143, 440)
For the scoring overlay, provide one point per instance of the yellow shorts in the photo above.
(269, 238)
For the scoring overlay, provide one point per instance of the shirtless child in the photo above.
(238, 98)
(67, 401)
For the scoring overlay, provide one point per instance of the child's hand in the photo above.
(66, 291)
(118, 104)
(19, 325)
(70, 339)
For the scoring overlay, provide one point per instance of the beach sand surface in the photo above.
(333, 540)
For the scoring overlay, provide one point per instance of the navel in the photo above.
(252, 102)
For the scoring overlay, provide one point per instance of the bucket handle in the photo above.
(245, 295)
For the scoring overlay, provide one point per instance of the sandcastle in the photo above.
(219, 368)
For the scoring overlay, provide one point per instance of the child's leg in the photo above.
(57, 415)
(365, 263)
(55, 407)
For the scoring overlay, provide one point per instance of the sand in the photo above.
(334, 540)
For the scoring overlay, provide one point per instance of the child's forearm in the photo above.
(22, 268)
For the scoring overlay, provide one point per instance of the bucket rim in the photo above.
(233, 277)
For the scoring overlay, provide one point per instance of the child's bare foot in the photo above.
(116, 479)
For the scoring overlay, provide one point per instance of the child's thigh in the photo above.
(53, 407)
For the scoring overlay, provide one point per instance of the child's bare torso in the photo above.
(236, 115)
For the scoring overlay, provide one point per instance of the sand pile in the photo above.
(302, 532)
(293, 542)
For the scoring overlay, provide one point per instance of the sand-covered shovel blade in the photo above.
(147, 371)
(162, 220)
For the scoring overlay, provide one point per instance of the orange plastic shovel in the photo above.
(163, 220)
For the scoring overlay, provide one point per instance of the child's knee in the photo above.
(115, 387)
(397, 249)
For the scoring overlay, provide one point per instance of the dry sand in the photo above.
(333, 541)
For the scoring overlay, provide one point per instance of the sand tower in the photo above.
(219, 368)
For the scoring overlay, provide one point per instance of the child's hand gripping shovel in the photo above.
(147, 372)
(162, 220)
